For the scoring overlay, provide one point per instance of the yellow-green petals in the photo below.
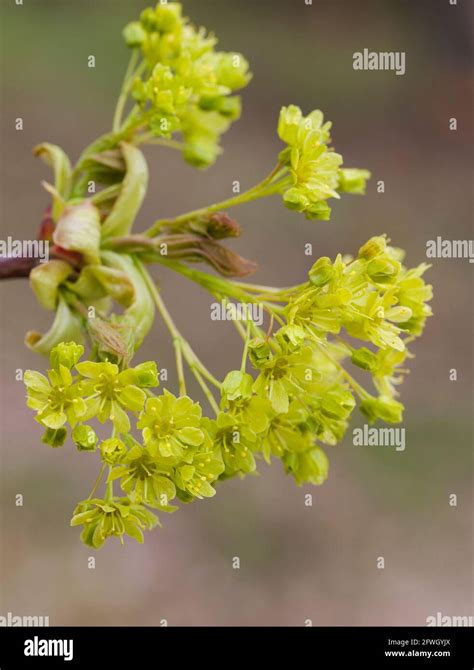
(171, 425)
(79, 391)
(310, 466)
(112, 518)
(353, 180)
(56, 399)
(313, 168)
(109, 394)
(315, 173)
(188, 84)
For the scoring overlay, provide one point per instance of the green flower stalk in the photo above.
(294, 393)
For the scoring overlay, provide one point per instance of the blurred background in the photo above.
(297, 562)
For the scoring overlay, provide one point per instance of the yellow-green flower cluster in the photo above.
(300, 394)
(315, 172)
(177, 457)
(373, 298)
(187, 86)
(303, 396)
(114, 517)
(299, 399)
(98, 390)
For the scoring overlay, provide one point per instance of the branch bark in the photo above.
(13, 268)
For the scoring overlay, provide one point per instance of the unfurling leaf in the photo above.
(79, 230)
(45, 280)
(65, 327)
(56, 158)
(121, 218)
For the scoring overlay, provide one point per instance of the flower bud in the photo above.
(318, 210)
(112, 450)
(383, 270)
(232, 71)
(148, 19)
(237, 385)
(230, 107)
(54, 437)
(353, 180)
(288, 124)
(291, 335)
(259, 352)
(85, 438)
(168, 16)
(220, 225)
(293, 198)
(384, 407)
(201, 152)
(67, 354)
(322, 272)
(134, 34)
(373, 247)
(310, 466)
(364, 359)
(144, 375)
(113, 342)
